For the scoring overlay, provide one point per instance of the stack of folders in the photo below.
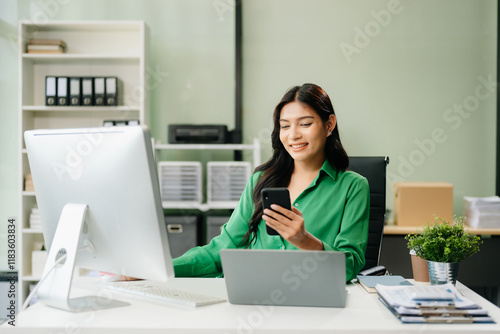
(482, 212)
(81, 91)
(431, 304)
(46, 45)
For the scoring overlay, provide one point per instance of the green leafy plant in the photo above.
(444, 241)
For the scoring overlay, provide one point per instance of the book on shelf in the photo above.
(46, 46)
(45, 49)
(431, 304)
(28, 183)
(369, 282)
(44, 52)
(47, 41)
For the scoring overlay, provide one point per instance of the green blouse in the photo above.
(335, 208)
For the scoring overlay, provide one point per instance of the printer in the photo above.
(197, 134)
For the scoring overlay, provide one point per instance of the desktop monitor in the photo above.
(98, 195)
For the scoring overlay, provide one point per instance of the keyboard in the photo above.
(157, 290)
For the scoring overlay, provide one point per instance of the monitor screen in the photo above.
(112, 173)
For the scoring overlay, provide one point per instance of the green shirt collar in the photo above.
(325, 169)
(329, 169)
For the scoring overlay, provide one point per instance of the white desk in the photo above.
(364, 313)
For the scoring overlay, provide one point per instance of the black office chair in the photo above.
(374, 169)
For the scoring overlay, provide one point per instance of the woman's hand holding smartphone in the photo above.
(279, 196)
(290, 222)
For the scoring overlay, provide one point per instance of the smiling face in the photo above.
(303, 133)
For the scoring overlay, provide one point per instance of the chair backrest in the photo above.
(374, 169)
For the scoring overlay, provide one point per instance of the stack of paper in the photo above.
(35, 219)
(482, 212)
(431, 304)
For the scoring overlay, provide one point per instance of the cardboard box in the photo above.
(416, 203)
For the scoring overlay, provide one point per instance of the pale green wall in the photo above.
(390, 95)
(8, 122)
(395, 91)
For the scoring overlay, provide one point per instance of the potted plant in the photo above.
(444, 245)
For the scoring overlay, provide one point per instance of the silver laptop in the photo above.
(279, 277)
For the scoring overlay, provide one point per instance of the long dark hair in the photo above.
(278, 170)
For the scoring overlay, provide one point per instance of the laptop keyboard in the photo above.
(159, 291)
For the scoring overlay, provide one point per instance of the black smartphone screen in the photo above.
(279, 196)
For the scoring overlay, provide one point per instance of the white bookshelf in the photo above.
(254, 147)
(94, 48)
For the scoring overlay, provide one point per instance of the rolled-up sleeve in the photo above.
(205, 261)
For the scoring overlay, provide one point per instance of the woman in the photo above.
(330, 206)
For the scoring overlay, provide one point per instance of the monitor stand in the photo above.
(55, 289)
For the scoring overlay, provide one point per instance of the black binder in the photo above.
(111, 91)
(87, 91)
(62, 91)
(75, 96)
(50, 90)
(99, 90)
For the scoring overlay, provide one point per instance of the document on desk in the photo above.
(370, 282)
(431, 304)
(436, 296)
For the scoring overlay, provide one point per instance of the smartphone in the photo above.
(279, 196)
